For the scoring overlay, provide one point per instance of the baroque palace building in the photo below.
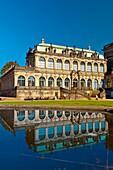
(50, 68)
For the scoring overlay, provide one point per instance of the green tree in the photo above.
(8, 65)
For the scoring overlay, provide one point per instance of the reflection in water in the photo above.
(53, 130)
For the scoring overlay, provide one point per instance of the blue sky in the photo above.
(65, 22)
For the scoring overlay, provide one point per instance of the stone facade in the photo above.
(49, 67)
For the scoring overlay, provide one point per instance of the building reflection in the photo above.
(109, 137)
(53, 130)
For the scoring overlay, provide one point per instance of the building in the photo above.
(108, 54)
(50, 67)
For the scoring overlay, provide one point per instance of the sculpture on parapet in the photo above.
(72, 74)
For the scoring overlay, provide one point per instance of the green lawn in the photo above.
(106, 103)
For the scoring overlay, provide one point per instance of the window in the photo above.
(82, 66)
(101, 68)
(67, 65)
(59, 82)
(31, 81)
(89, 67)
(42, 62)
(21, 81)
(95, 67)
(75, 65)
(50, 82)
(50, 63)
(42, 82)
(59, 64)
(89, 83)
(95, 84)
(67, 83)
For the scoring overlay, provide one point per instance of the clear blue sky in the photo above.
(65, 22)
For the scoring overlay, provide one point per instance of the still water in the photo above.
(55, 140)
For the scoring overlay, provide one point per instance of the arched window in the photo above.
(31, 81)
(82, 83)
(75, 83)
(42, 82)
(89, 67)
(21, 81)
(67, 83)
(50, 82)
(21, 115)
(89, 83)
(67, 65)
(75, 65)
(102, 83)
(50, 63)
(101, 68)
(59, 64)
(82, 66)
(59, 82)
(42, 62)
(31, 114)
(95, 84)
(95, 67)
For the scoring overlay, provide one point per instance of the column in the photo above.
(98, 67)
(55, 131)
(63, 127)
(46, 81)
(36, 81)
(72, 132)
(26, 80)
(37, 116)
(93, 126)
(92, 66)
(93, 83)
(86, 79)
(87, 130)
(55, 81)
(46, 64)
(63, 82)
(79, 128)
(85, 66)
(26, 115)
(99, 126)
(55, 64)
(46, 131)
(63, 64)
(78, 65)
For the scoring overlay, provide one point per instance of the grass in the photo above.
(106, 103)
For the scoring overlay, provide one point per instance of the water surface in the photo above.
(55, 140)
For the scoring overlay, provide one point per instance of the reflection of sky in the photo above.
(14, 155)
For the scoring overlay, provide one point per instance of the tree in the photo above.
(8, 65)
